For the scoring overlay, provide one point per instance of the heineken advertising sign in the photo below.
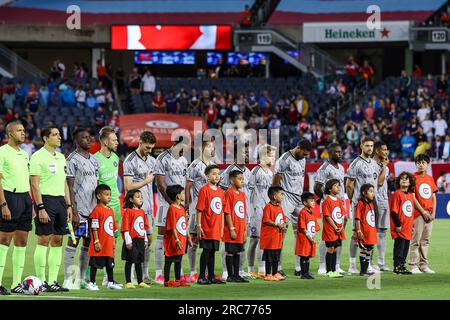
(355, 32)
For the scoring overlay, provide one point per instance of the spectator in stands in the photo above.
(445, 19)
(134, 81)
(66, 136)
(100, 94)
(274, 123)
(430, 84)
(194, 103)
(55, 98)
(91, 100)
(442, 85)
(9, 116)
(183, 103)
(120, 80)
(99, 119)
(351, 69)
(417, 72)
(247, 17)
(148, 89)
(357, 115)
(101, 71)
(446, 151)
(228, 127)
(57, 70)
(369, 112)
(428, 127)
(9, 96)
(159, 104)
(302, 105)
(408, 143)
(44, 95)
(171, 102)
(211, 115)
(367, 72)
(440, 125)
(68, 97)
(80, 96)
(265, 102)
(405, 83)
(28, 146)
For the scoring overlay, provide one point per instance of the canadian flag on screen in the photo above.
(156, 37)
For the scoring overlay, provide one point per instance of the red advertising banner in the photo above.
(161, 37)
(162, 125)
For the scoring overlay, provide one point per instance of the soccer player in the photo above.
(334, 221)
(361, 171)
(176, 236)
(210, 223)
(380, 163)
(170, 170)
(51, 194)
(102, 226)
(138, 169)
(330, 169)
(402, 220)
(307, 228)
(290, 175)
(109, 168)
(365, 226)
(260, 180)
(15, 203)
(235, 230)
(425, 193)
(273, 226)
(225, 185)
(82, 179)
(195, 179)
(134, 226)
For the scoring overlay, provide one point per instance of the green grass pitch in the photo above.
(393, 286)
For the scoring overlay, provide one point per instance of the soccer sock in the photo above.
(146, 263)
(192, 256)
(110, 273)
(211, 262)
(298, 266)
(177, 270)
(40, 261)
(381, 246)
(280, 263)
(268, 267)
(353, 250)
(139, 275)
(338, 257)
(159, 253)
(362, 258)
(69, 260)
(93, 274)
(274, 267)
(303, 265)
(328, 261)
(18, 262)
(251, 254)
(261, 264)
(128, 271)
(224, 262)
(241, 261)
(204, 257)
(54, 263)
(236, 264)
(3, 254)
(333, 262)
(83, 261)
(307, 266)
(322, 254)
(229, 262)
(167, 265)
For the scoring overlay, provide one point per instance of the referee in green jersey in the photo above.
(15, 202)
(54, 210)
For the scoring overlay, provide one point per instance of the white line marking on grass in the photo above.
(12, 297)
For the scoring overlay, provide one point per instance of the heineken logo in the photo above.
(352, 34)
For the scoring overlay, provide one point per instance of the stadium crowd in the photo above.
(412, 110)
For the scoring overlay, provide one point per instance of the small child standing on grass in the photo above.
(134, 224)
(102, 226)
(307, 228)
(176, 236)
(366, 226)
(272, 228)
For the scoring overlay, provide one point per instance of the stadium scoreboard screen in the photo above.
(164, 57)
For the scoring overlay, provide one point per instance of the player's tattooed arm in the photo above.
(277, 179)
(75, 215)
(161, 185)
(349, 187)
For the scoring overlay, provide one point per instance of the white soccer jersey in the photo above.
(138, 168)
(293, 172)
(327, 171)
(381, 193)
(196, 175)
(362, 171)
(260, 181)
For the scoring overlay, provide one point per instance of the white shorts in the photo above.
(192, 219)
(384, 218)
(161, 216)
(291, 210)
(254, 226)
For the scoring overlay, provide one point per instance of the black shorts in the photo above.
(233, 247)
(21, 209)
(101, 262)
(210, 244)
(174, 259)
(368, 247)
(136, 254)
(57, 212)
(271, 255)
(333, 244)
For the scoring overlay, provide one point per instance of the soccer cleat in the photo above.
(428, 270)
(105, 281)
(373, 270)
(367, 274)
(334, 274)
(415, 270)
(114, 286)
(217, 277)
(261, 275)
(253, 275)
(343, 272)
(203, 281)
(405, 271)
(159, 279)
(217, 281)
(282, 273)
(309, 276)
(280, 277)
(306, 277)
(270, 278)
(130, 285)
(397, 270)
(297, 273)
(353, 270)
(322, 272)
(92, 286)
(194, 276)
(182, 283)
(143, 285)
(231, 279)
(246, 276)
(57, 288)
(240, 279)
(71, 285)
(385, 269)
(4, 291)
(18, 289)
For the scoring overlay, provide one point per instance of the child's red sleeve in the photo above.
(146, 225)
(170, 221)
(266, 214)
(302, 224)
(395, 203)
(94, 223)
(124, 227)
(359, 208)
(201, 202)
(114, 222)
(228, 203)
(326, 208)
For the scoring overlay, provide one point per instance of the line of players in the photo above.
(76, 199)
